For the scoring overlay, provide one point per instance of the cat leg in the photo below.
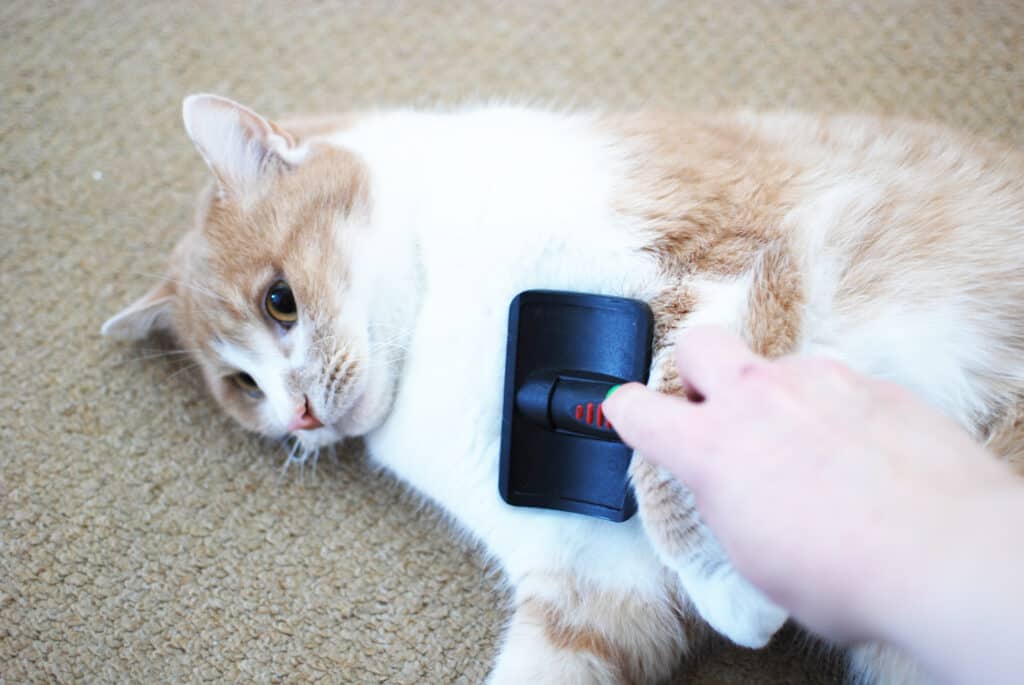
(567, 631)
(730, 604)
(763, 311)
(723, 598)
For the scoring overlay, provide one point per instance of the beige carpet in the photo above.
(145, 539)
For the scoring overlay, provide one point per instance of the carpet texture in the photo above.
(143, 538)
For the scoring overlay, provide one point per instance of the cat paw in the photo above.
(567, 669)
(534, 660)
(725, 600)
(734, 607)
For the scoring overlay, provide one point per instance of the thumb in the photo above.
(654, 424)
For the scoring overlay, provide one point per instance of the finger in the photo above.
(819, 376)
(654, 424)
(709, 358)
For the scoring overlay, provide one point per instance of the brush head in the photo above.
(565, 352)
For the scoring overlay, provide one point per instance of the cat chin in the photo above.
(321, 437)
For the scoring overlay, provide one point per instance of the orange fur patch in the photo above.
(1006, 437)
(775, 303)
(710, 192)
(639, 641)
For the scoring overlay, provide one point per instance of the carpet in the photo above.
(144, 538)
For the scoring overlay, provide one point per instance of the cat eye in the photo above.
(280, 304)
(247, 384)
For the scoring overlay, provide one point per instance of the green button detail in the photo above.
(611, 390)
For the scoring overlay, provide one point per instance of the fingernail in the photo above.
(611, 390)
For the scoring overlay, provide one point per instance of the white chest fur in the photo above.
(527, 208)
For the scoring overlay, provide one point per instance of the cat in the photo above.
(351, 276)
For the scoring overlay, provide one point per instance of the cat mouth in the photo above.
(315, 438)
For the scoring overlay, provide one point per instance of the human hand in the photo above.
(825, 487)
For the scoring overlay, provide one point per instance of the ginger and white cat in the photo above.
(351, 277)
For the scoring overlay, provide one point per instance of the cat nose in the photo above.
(304, 419)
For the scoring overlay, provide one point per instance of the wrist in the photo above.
(947, 576)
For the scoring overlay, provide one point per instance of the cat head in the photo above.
(273, 291)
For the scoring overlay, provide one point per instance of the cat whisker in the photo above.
(289, 460)
(299, 455)
(404, 329)
(313, 458)
(177, 281)
(380, 364)
(187, 367)
(398, 341)
(150, 357)
(388, 346)
(402, 333)
(383, 359)
(280, 443)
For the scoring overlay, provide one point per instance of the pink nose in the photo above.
(304, 419)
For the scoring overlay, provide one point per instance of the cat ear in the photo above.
(148, 314)
(239, 145)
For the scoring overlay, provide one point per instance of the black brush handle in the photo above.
(568, 401)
